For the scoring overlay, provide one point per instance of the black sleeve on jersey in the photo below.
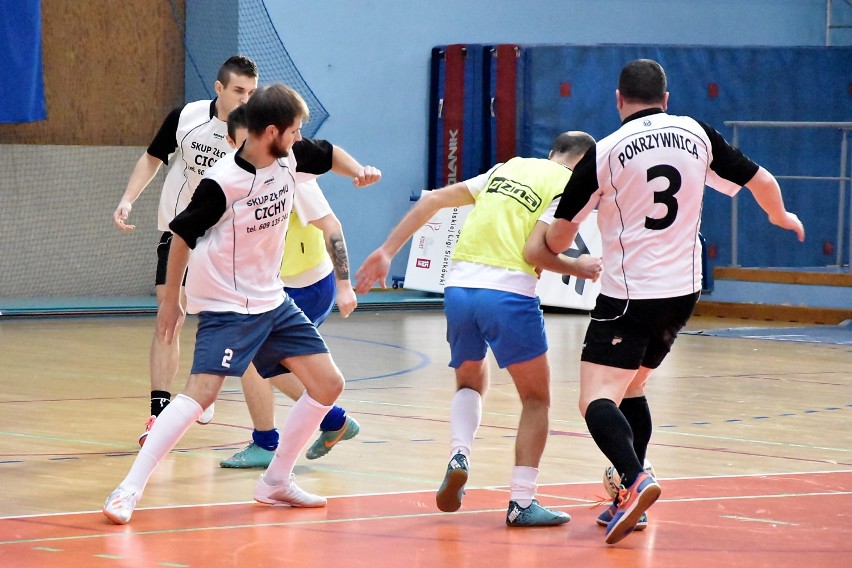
(728, 162)
(165, 142)
(580, 187)
(312, 156)
(204, 211)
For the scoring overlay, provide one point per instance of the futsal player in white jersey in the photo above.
(235, 227)
(647, 180)
(192, 138)
(315, 272)
(490, 301)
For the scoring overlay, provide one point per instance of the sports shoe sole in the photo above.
(627, 523)
(449, 496)
(640, 526)
(113, 518)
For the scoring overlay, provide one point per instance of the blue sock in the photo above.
(333, 420)
(267, 439)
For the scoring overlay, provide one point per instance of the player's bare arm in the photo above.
(537, 253)
(377, 265)
(560, 235)
(335, 244)
(767, 193)
(344, 164)
(146, 168)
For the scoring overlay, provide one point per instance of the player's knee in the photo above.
(535, 399)
(335, 385)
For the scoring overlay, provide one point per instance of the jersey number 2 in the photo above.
(666, 197)
(226, 360)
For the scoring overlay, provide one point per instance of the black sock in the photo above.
(159, 400)
(612, 433)
(638, 415)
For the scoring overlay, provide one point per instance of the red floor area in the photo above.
(797, 520)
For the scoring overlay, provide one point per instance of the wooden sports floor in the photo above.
(752, 444)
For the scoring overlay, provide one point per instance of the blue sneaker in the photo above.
(450, 494)
(534, 516)
(605, 517)
(328, 440)
(252, 456)
(632, 504)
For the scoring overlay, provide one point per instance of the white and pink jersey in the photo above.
(647, 180)
(236, 224)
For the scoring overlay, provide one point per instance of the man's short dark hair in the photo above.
(236, 120)
(237, 65)
(276, 105)
(643, 81)
(573, 143)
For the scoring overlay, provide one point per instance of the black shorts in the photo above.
(163, 259)
(627, 334)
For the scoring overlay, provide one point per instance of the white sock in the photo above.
(465, 416)
(168, 429)
(302, 422)
(523, 485)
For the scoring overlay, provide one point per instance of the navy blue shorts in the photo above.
(478, 318)
(627, 334)
(316, 300)
(226, 342)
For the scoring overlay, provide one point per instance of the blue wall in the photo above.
(368, 63)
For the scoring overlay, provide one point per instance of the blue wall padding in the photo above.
(564, 87)
(20, 53)
(458, 89)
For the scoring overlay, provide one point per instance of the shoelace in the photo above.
(623, 496)
(598, 500)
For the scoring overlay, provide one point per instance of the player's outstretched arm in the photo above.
(144, 171)
(335, 245)
(376, 267)
(767, 193)
(344, 164)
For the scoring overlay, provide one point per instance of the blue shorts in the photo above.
(511, 324)
(316, 300)
(226, 342)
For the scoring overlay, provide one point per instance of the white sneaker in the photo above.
(120, 504)
(207, 415)
(288, 493)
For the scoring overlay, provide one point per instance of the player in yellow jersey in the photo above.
(490, 301)
(310, 280)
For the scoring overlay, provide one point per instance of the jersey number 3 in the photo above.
(666, 196)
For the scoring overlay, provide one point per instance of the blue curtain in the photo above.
(22, 87)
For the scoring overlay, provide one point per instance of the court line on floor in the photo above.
(402, 516)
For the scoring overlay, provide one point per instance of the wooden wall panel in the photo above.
(113, 69)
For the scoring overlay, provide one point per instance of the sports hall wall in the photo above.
(112, 70)
(377, 89)
(367, 62)
(560, 88)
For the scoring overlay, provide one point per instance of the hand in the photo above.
(790, 222)
(170, 316)
(346, 300)
(368, 175)
(122, 212)
(376, 267)
(589, 267)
